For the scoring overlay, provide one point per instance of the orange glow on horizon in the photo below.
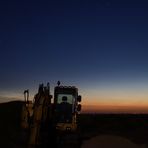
(115, 102)
(115, 108)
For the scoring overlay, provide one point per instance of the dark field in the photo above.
(131, 126)
(10, 114)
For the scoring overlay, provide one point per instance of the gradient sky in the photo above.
(100, 46)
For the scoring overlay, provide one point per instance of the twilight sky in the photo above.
(100, 46)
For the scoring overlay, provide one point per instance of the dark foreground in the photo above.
(131, 126)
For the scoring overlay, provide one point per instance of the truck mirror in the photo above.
(79, 107)
(79, 98)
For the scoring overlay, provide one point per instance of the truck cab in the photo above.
(67, 107)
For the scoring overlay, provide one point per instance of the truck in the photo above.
(52, 120)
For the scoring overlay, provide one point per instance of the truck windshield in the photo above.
(70, 98)
(64, 107)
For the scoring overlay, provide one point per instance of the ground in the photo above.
(95, 128)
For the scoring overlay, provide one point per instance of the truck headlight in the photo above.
(68, 128)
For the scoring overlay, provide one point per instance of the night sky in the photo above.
(100, 46)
